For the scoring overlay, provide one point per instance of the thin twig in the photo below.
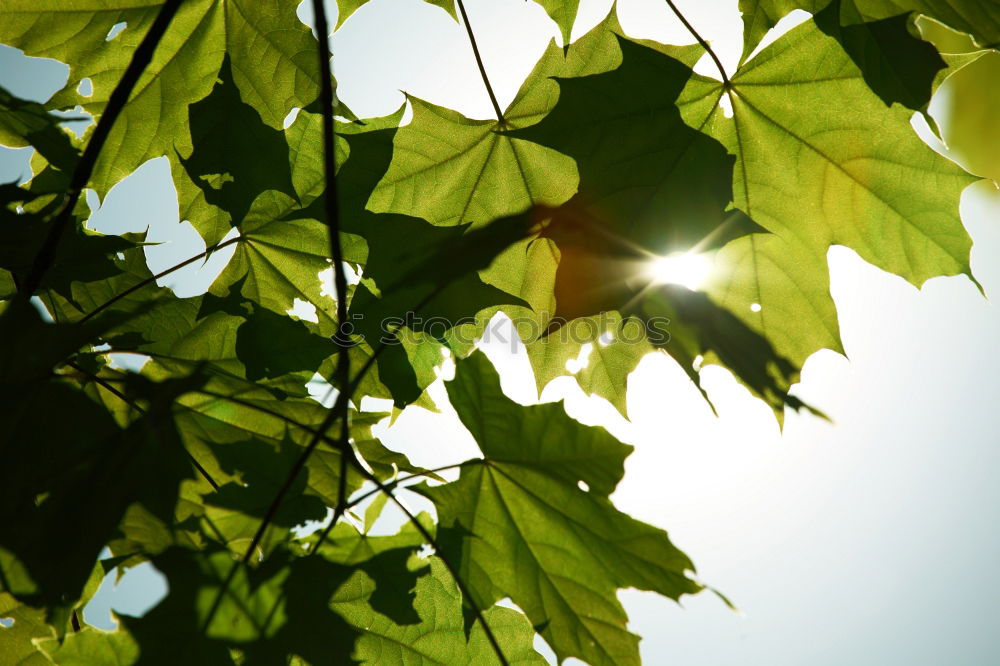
(718, 63)
(395, 482)
(154, 278)
(85, 167)
(331, 205)
(390, 485)
(479, 61)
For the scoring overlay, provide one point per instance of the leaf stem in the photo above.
(85, 167)
(479, 61)
(153, 278)
(718, 63)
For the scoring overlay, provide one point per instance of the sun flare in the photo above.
(688, 269)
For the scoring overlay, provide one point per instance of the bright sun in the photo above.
(688, 269)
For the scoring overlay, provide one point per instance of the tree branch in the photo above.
(85, 167)
(331, 205)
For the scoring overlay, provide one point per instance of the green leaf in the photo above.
(564, 14)
(24, 123)
(430, 278)
(979, 19)
(973, 135)
(879, 180)
(780, 288)
(261, 471)
(450, 170)
(304, 350)
(374, 510)
(430, 283)
(617, 346)
(897, 65)
(688, 324)
(272, 54)
(236, 157)
(81, 256)
(518, 525)
(278, 260)
(230, 410)
(90, 646)
(881, 192)
(438, 638)
(649, 185)
(385, 463)
(216, 604)
(345, 8)
(646, 178)
(759, 16)
(66, 483)
(18, 639)
(388, 561)
(279, 608)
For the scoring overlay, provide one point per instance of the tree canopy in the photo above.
(209, 458)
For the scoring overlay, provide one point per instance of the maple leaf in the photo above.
(879, 182)
(897, 65)
(979, 19)
(438, 637)
(519, 525)
(271, 51)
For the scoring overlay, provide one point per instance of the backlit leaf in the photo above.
(520, 525)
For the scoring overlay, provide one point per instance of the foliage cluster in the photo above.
(614, 151)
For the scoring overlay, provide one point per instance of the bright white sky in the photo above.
(871, 541)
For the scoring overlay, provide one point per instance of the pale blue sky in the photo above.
(871, 541)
